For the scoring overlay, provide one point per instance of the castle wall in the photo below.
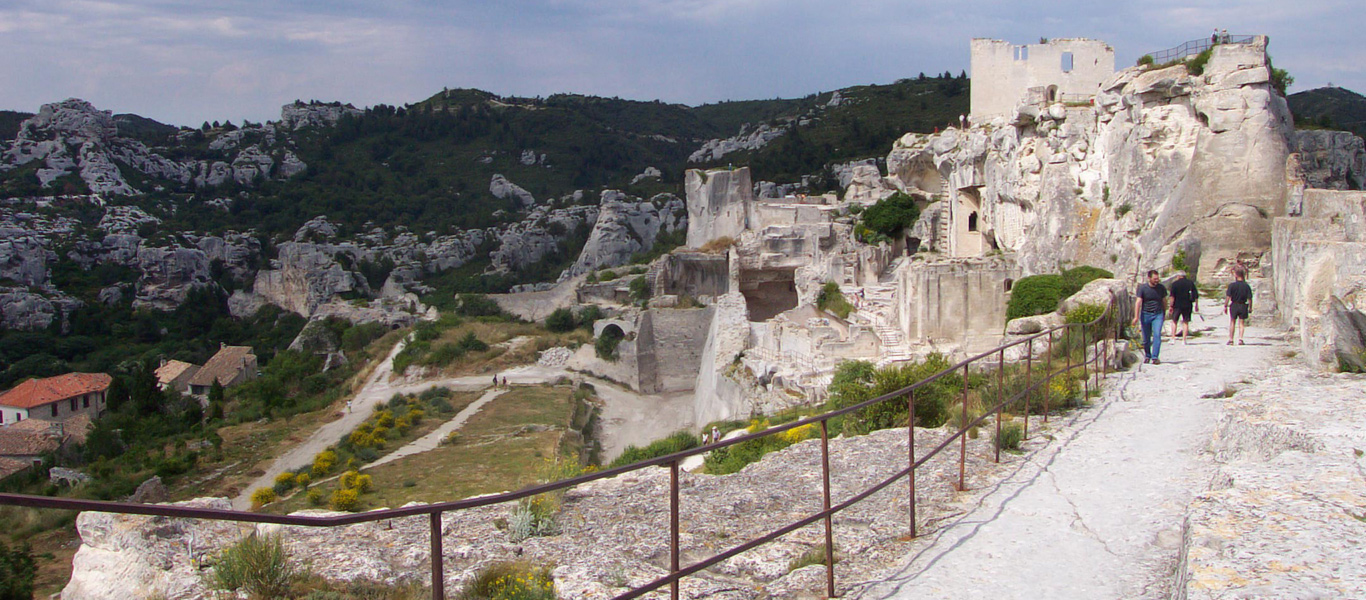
(1003, 73)
(669, 348)
(958, 303)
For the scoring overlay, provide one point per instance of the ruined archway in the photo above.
(768, 292)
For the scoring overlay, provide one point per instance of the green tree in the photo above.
(17, 571)
(892, 215)
(561, 320)
(216, 401)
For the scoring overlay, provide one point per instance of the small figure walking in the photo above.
(1214, 38)
(1185, 301)
(495, 380)
(505, 382)
(715, 434)
(1149, 308)
(348, 406)
(1238, 304)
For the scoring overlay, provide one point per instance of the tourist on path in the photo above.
(1238, 305)
(1185, 301)
(1149, 307)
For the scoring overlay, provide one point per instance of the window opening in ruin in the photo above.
(1066, 62)
(768, 292)
(912, 245)
(1052, 93)
(972, 222)
(1022, 53)
(1009, 283)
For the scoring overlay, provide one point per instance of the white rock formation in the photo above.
(297, 115)
(624, 228)
(503, 189)
(749, 138)
(718, 203)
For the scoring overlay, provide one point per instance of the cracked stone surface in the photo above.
(1098, 511)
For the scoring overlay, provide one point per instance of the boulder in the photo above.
(150, 492)
(503, 189)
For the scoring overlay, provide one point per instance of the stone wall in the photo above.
(955, 303)
(1002, 73)
(693, 274)
(669, 348)
(1319, 278)
(718, 204)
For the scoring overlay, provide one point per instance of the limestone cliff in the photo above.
(1161, 160)
(624, 228)
(717, 204)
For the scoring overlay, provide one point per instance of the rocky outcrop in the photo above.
(24, 310)
(297, 115)
(718, 204)
(538, 235)
(624, 228)
(304, 276)
(503, 189)
(168, 276)
(749, 138)
(1332, 160)
(648, 173)
(1161, 161)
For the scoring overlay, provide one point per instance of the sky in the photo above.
(188, 61)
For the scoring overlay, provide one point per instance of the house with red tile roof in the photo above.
(29, 440)
(230, 366)
(55, 398)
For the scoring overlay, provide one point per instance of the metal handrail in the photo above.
(1107, 320)
(1194, 47)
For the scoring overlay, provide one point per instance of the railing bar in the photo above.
(829, 523)
(438, 563)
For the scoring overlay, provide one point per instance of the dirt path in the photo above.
(433, 439)
(1097, 511)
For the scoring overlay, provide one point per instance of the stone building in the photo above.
(55, 398)
(230, 366)
(175, 375)
(1003, 74)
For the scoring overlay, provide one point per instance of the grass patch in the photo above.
(519, 580)
(813, 556)
(832, 300)
(499, 449)
(1010, 437)
(677, 442)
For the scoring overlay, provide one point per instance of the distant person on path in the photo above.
(1223, 37)
(1238, 304)
(1185, 301)
(715, 434)
(1149, 308)
(1214, 38)
(495, 381)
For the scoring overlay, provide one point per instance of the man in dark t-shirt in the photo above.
(1185, 301)
(1149, 308)
(1238, 305)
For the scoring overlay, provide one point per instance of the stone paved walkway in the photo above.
(1097, 511)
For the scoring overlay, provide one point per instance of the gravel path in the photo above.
(1097, 511)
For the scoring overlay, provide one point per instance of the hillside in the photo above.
(1330, 108)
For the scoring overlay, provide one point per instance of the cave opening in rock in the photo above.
(768, 292)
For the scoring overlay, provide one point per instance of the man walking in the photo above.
(1238, 304)
(1185, 301)
(1149, 307)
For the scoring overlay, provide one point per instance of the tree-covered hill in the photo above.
(1330, 107)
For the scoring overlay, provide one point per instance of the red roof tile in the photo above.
(10, 466)
(37, 392)
(26, 443)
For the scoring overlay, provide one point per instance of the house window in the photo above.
(972, 222)
(1066, 62)
(73, 404)
(54, 409)
(1009, 283)
(85, 402)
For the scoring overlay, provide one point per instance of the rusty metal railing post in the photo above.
(438, 568)
(829, 523)
(1085, 364)
(1029, 384)
(673, 527)
(1000, 397)
(1047, 376)
(963, 437)
(910, 445)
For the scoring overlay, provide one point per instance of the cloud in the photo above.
(187, 61)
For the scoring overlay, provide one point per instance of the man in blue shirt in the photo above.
(1149, 308)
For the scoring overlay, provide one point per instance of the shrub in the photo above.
(315, 497)
(518, 580)
(1034, 295)
(1196, 66)
(718, 245)
(891, 215)
(731, 459)
(1012, 434)
(287, 479)
(589, 315)
(323, 463)
(608, 275)
(18, 569)
(348, 480)
(1085, 313)
(345, 500)
(262, 497)
(640, 289)
(257, 565)
(606, 344)
(478, 305)
(1146, 60)
(831, 300)
(676, 442)
(561, 320)
(1123, 209)
(302, 480)
(364, 484)
(857, 381)
(471, 343)
(534, 517)
(1077, 277)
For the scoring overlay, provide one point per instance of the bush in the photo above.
(560, 321)
(315, 497)
(364, 484)
(640, 289)
(1146, 60)
(732, 459)
(891, 215)
(257, 565)
(1076, 278)
(323, 463)
(676, 442)
(18, 569)
(478, 305)
(287, 479)
(590, 315)
(519, 580)
(1085, 313)
(262, 497)
(1034, 295)
(718, 246)
(606, 344)
(1196, 66)
(348, 480)
(857, 381)
(471, 343)
(831, 300)
(534, 517)
(345, 500)
(1012, 434)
